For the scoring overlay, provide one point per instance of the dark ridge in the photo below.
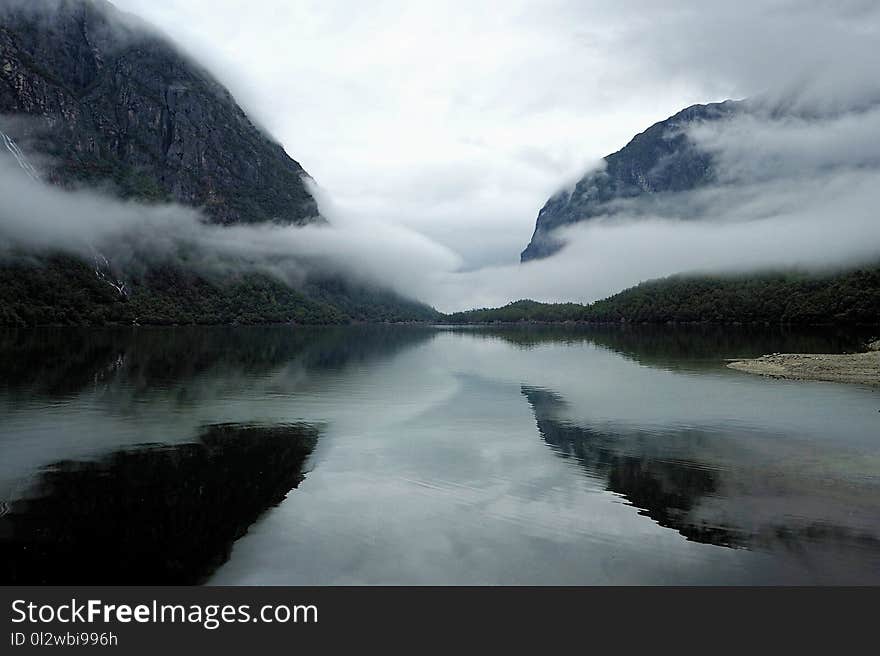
(788, 298)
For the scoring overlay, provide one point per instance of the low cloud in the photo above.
(603, 257)
(791, 192)
(37, 218)
(759, 146)
(459, 118)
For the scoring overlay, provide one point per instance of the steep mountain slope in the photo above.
(92, 97)
(661, 159)
(112, 102)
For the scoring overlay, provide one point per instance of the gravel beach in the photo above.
(858, 368)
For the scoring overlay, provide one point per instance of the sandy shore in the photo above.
(859, 368)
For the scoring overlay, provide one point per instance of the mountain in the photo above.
(93, 97)
(661, 159)
(114, 103)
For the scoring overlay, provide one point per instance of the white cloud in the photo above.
(456, 119)
(35, 217)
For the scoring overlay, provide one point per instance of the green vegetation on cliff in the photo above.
(65, 291)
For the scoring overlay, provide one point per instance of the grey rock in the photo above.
(112, 102)
(661, 159)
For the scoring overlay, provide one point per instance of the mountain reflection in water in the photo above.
(683, 346)
(157, 514)
(62, 362)
(680, 479)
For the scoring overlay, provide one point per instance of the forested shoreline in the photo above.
(798, 298)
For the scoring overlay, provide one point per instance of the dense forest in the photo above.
(851, 297)
(64, 290)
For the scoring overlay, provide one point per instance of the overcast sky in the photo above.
(440, 128)
(461, 118)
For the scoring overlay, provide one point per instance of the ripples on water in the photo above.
(417, 455)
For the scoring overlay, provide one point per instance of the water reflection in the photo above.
(684, 346)
(719, 487)
(650, 461)
(63, 362)
(666, 490)
(157, 514)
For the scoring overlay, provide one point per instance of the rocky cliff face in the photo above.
(91, 96)
(661, 159)
(112, 102)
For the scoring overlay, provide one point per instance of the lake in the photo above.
(420, 455)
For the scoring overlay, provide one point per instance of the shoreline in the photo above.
(852, 368)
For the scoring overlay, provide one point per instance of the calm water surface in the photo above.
(409, 455)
